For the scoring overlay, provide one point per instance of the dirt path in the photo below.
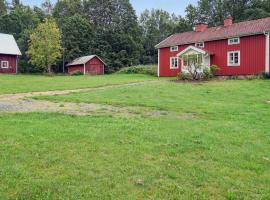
(18, 103)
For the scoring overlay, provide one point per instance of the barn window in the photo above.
(199, 45)
(4, 64)
(174, 63)
(174, 48)
(233, 41)
(234, 58)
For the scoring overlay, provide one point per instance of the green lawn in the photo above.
(211, 142)
(34, 83)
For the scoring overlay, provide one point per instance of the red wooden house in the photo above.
(237, 48)
(9, 53)
(87, 65)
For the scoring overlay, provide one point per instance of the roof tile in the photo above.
(217, 33)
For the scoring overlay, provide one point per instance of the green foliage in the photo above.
(214, 69)
(78, 73)
(45, 45)
(3, 7)
(141, 69)
(265, 75)
(77, 37)
(157, 25)
(183, 76)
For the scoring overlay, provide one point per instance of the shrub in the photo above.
(265, 75)
(207, 74)
(214, 69)
(184, 76)
(77, 73)
(141, 69)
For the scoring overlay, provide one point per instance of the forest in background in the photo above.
(111, 28)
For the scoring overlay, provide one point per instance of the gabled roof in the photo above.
(83, 60)
(217, 33)
(199, 50)
(8, 45)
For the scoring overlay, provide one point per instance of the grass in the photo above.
(34, 83)
(211, 143)
(140, 69)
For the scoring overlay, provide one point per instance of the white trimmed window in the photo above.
(174, 48)
(234, 58)
(4, 64)
(233, 41)
(173, 62)
(199, 45)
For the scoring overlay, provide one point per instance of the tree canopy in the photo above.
(45, 45)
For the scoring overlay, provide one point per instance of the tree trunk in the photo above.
(49, 69)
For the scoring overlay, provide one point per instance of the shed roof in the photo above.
(246, 28)
(8, 45)
(83, 60)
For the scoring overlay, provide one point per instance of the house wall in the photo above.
(94, 67)
(12, 59)
(75, 68)
(252, 56)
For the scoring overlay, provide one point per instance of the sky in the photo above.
(172, 6)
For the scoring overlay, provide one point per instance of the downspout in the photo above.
(267, 47)
(158, 73)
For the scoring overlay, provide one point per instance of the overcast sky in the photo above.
(176, 6)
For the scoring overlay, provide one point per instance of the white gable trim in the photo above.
(191, 48)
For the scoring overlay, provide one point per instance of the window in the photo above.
(199, 45)
(174, 48)
(4, 64)
(189, 60)
(234, 58)
(174, 63)
(233, 41)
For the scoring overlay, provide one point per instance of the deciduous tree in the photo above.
(45, 45)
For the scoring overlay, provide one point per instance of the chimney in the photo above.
(201, 27)
(228, 21)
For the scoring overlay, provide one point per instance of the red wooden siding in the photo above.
(12, 59)
(94, 67)
(252, 56)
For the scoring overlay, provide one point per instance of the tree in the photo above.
(67, 8)
(77, 37)
(3, 7)
(45, 45)
(117, 33)
(47, 7)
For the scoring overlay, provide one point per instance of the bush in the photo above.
(214, 69)
(77, 73)
(141, 69)
(207, 74)
(265, 75)
(184, 76)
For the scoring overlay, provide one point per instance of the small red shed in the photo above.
(87, 65)
(9, 53)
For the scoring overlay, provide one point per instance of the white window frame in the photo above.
(231, 41)
(229, 57)
(2, 64)
(174, 48)
(172, 62)
(199, 44)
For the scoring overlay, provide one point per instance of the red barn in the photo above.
(237, 48)
(9, 53)
(87, 65)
